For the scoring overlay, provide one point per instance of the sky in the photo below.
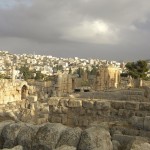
(103, 29)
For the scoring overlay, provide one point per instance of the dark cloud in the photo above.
(86, 28)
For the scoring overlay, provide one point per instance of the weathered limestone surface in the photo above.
(141, 122)
(107, 77)
(147, 123)
(2, 125)
(88, 104)
(116, 145)
(74, 103)
(54, 137)
(137, 95)
(47, 136)
(65, 147)
(70, 137)
(53, 101)
(139, 144)
(26, 136)
(137, 122)
(9, 134)
(95, 138)
(14, 148)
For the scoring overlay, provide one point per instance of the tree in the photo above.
(80, 72)
(27, 74)
(137, 69)
(70, 71)
(94, 70)
(39, 76)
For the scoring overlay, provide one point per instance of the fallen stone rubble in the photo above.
(55, 136)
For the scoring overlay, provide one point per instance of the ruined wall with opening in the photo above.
(12, 91)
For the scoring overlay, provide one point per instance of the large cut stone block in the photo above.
(87, 104)
(103, 105)
(132, 106)
(145, 106)
(118, 105)
(53, 101)
(32, 98)
(75, 103)
(64, 102)
(137, 122)
(95, 138)
(147, 123)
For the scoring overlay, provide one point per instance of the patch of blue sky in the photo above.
(8, 4)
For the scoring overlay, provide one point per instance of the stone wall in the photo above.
(42, 88)
(77, 112)
(128, 95)
(64, 84)
(108, 77)
(11, 91)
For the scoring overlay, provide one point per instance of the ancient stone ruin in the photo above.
(116, 119)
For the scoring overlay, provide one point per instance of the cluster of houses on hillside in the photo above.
(49, 65)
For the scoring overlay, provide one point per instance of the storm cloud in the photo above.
(104, 29)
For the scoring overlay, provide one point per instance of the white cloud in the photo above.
(96, 31)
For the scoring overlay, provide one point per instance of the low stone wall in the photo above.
(128, 95)
(77, 112)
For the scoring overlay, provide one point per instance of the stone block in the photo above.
(144, 133)
(32, 106)
(114, 112)
(46, 108)
(144, 106)
(137, 122)
(71, 121)
(103, 105)
(122, 113)
(64, 110)
(89, 112)
(64, 102)
(64, 119)
(53, 101)
(41, 120)
(85, 123)
(57, 110)
(117, 105)
(123, 139)
(75, 103)
(106, 113)
(87, 104)
(81, 111)
(32, 98)
(46, 116)
(141, 113)
(147, 123)
(132, 105)
(56, 119)
(6, 99)
(50, 110)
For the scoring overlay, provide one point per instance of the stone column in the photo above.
(13, 74)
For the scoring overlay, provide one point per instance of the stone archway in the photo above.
(24, 92)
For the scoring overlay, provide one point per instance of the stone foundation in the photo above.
(77, 112)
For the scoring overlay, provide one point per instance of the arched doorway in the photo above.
(24, 92)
